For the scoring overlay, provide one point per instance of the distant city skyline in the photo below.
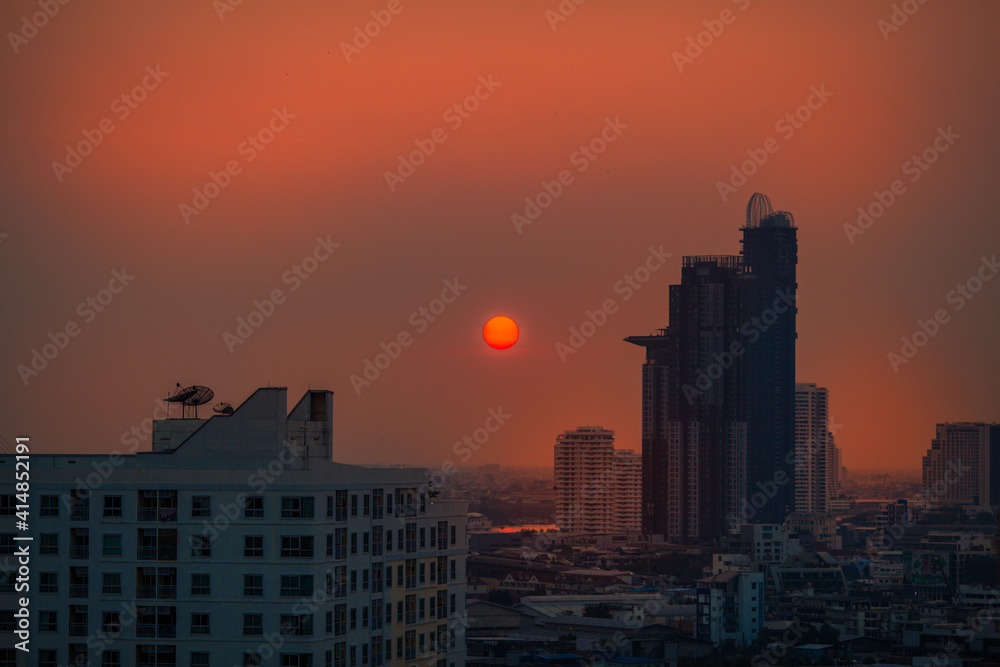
(879, 142)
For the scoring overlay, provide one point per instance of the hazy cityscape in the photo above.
(560, 333)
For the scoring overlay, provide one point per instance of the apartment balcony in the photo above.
(156, 592)
(78, 552)
(77, 629)
(157, 553)
(79, 513)
(78, 590)
(162, 514)
(155, 631)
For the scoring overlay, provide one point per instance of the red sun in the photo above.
(500, 332)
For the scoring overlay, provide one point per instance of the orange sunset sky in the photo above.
(682, 125)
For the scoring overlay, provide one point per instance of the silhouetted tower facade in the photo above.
(718, 389)
(770, 255)
(693, 445)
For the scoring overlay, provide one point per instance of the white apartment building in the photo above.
(730, 607)
(626, 512)
(816, 462)
(598, 490)
(236, 541)
(962, 466)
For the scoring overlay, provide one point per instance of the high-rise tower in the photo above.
(718, 389)
(770, 254)
(693, 435)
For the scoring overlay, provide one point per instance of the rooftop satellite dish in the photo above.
(199, 396)
(181, 394)
(190, 398)
(223, 408)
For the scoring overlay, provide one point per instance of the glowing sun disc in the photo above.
(500, 332)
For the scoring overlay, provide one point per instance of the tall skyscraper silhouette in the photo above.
(693, 432)
(770, 255)
(718, 396)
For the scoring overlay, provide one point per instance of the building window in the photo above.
(296, 660)
(340, 543)
(111, 659)
(354, 618)
(340, 620)
(366, 505)
(354, 504)
(201, 546)
(340, 506)
(423, 538)
(112, 583)
(297, 507)
(253, 585)
(354, 581)
(296, 546)
(296, 625)
(253, 546)
(201, 584)
(48, 621)
(111, 622)
(253, 625)
(296, 585)
(112, 507)
(47, 657)
(48, 582)
(112, 544)
(253, 507)
(199, 659)
(454, 536)
(49, 544)
(200, 623)
(329, 545)
(49, 506)
(252, 659)
(365, 541)
(201, 507)
(329, 622)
